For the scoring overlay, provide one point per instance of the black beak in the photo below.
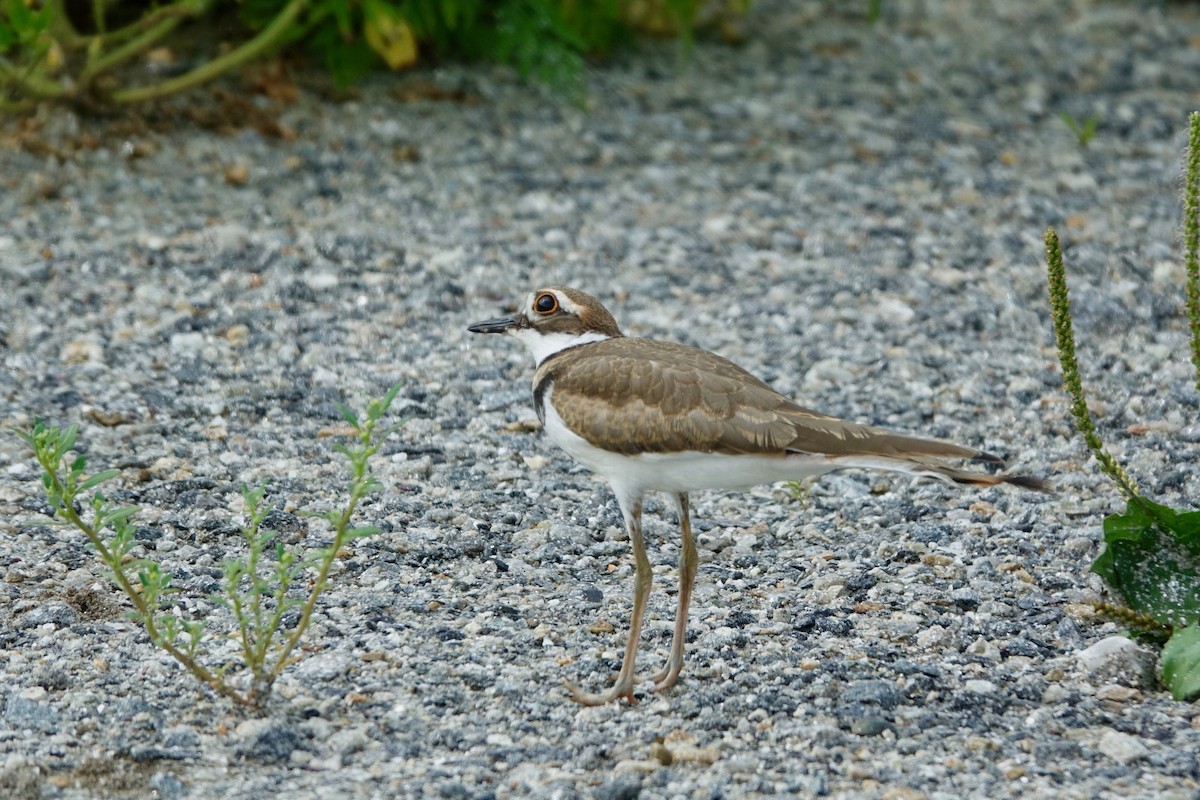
(497, 325)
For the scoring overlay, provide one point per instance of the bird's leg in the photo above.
(632, 511)
(665, 679)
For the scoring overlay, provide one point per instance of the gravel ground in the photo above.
(852, 212)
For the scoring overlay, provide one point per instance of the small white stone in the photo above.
(931, 636)
(979, 686)
(1121, 747)
(894, 311)
(531, 538)
(1104, 651)
(321, 280)
(187, 342)
(535, 463)
(983, 648)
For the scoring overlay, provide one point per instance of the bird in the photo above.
(649, 415)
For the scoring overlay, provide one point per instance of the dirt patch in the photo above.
(92, 604)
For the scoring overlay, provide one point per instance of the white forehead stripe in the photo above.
(567, 304)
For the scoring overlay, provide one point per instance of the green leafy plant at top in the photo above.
(1151, 556)
(47, 54)
(259, 587)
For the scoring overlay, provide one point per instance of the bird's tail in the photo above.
(930, 469)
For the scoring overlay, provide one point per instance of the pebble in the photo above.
(1122, 747)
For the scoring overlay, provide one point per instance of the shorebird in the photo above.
(651, 415)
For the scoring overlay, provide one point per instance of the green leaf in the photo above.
(66, 439)
(264, 539)
(99, 478)
(362, 532)
(117, 516)
(381, 407)
(1181, 663)
(348, 414)
(1151, 559)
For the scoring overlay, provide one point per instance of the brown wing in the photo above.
(643, 396)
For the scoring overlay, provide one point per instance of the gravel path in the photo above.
(853, 213)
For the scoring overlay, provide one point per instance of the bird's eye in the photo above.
(546, 303)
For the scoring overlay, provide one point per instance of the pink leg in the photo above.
(641, 592)
(665, 678)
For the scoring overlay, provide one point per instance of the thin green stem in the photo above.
(180, 10)
(270, 37)
(30, 83)
(131, 49)
(98, 17)
(310, 604)
(15, 106)
(360, 485)
(239, 613)
(61, 28)
(1064, 336)
(1191, 236)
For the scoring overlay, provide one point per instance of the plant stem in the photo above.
(31, 84)
(1064, 336)
(131, 49)
(271, 36)
(61, 28)
(144, 612)
(1191, 236)
(180, 10)
(98, 17)
(283, 658)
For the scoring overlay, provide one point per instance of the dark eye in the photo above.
(546, 303)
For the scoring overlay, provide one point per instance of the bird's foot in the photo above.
(665, 678)
(617, 692)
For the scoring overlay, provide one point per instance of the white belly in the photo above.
(684, 471)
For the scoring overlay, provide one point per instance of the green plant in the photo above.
(1151, 556)
(47, 54)
(1084, 131)
(260, 586)
(1191, 237)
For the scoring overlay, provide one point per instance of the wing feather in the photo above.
(643, 396)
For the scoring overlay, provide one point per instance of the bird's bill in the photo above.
(497, 325)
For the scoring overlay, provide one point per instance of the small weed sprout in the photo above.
(1084, 131)
(258, 592)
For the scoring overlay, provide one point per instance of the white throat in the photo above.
(544, 345)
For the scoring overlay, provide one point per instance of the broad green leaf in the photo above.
(1181, 663)
(1151, 559)
(389, 35)
(99, 478)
